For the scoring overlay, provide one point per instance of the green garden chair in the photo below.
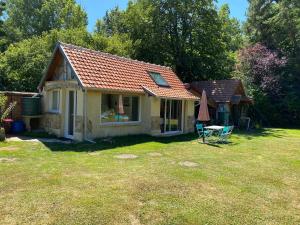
(225, 134)
(201, 131)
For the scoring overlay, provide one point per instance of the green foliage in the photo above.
(27, 18)
(276, 24)
(191, 36)
(3, 34)
(3, 100)
(24, 62)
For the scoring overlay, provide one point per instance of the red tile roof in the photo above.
(109, 72)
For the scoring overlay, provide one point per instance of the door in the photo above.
(70, 114)
(171, 115)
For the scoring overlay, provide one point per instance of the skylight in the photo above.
(158, 79)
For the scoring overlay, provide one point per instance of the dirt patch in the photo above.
(7, 160)
(188, 164)
(126, 156)
(155, 154)
(9, 148)
(134, 220)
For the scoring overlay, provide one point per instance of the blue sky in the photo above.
(97, 8)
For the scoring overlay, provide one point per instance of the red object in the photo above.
(7, 125)
(109, 72)
(203, 110)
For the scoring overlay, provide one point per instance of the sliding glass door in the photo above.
(170, 115)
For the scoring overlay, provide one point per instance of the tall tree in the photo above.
(3, 38)
(33, 17)
(276, 24)
(187, 35)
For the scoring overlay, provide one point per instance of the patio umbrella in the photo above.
(203, 114)
(120, 105)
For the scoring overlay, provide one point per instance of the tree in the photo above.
(22, 65)
(276, 24)
(262, 71)
(3, 38)
(187, 35)
(27, 18)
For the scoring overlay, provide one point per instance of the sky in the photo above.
(97, 8)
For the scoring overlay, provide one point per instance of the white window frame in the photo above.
(122, 123)
(51, 101)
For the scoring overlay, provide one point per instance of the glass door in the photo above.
(170, 115)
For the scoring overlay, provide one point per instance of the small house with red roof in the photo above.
(89, 94)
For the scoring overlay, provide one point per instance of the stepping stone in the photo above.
(9, 148)
(7, 160)
(155, 154)
(126, 156)
(188, 164)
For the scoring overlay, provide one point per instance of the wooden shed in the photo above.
(227, 99)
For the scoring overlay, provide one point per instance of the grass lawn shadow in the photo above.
(117, 142)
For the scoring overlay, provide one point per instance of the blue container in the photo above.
(17, 127)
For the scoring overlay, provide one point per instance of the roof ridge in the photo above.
(111, 55)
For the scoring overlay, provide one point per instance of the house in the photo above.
(227, 100)
(89, 94)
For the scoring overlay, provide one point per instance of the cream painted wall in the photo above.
(149, 116)
(95, 129)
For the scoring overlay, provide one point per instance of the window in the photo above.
(54, 101)
(70, 73)
(158, 79)
(118, 108)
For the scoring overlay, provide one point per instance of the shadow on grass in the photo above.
(117, 142)
(124, 141)
(266, 132)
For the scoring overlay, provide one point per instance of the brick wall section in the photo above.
(16, 114)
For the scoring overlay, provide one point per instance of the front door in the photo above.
(70, 114)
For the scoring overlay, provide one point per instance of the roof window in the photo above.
(158, 79)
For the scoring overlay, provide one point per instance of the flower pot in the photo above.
(2, 134)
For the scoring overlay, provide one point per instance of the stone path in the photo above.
(9, 148)
(7, 159)
(188, 164)
(126, 156)
(40, 140)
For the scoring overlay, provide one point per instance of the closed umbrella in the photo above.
(203, 114)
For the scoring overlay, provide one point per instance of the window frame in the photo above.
(122, 123)
(161, 85)
(51, 101)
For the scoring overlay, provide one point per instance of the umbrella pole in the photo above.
(203, 136)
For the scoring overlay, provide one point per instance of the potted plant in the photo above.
(4, 112)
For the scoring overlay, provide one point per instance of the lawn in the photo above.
(253, 180)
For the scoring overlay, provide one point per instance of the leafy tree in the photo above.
(276, 24)
(263, 70)
(3, 38)
(33, 17)
(187, 35)
(23, 63)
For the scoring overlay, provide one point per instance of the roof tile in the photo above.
(105, 71)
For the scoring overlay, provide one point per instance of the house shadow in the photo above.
(117, 142)
(125, 141)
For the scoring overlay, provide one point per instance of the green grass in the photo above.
(253, 180)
